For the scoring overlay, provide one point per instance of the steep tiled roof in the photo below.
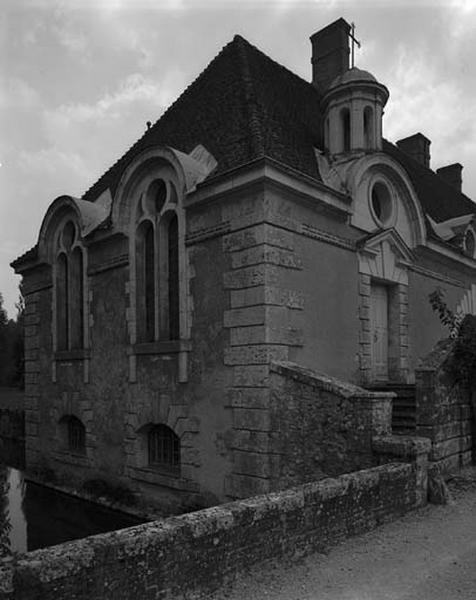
(243, 106)
(438, 198)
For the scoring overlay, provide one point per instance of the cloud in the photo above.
(17, 93)
(101, 131)
(57, 166)
(135, 89)
(74, 41)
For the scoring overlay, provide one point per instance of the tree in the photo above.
(4, 342)
(12, 345)
(461, 366)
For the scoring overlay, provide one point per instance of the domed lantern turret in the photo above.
(352, 109)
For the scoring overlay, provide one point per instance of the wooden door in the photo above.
(379, 331)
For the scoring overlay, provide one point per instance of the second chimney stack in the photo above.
(418, 147)
(452, 175)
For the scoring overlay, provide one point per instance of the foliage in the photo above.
(447, 317)
(12, 346)
(5, 525)
(461, 365)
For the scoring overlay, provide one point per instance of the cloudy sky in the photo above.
(80, 78)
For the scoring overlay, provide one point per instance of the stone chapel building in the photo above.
(262, 218)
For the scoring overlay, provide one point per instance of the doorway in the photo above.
(379, 305)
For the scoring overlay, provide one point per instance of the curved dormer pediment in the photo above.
(458, 231)
(383, 197)
(86, 215)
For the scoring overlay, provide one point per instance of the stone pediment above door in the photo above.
(385, 255)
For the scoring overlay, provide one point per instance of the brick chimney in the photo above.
(330, 53)
(418, 147)
(452, 175)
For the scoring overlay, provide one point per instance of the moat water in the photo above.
(33, 516)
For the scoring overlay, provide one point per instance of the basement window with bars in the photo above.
(163, 447)
(74, 435)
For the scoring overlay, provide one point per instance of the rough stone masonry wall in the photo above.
(191, 555)
(443, 411)
(322, 426)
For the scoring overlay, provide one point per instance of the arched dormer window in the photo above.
(469, 243)
(157, 264)
(69, 289)
(153, 188)
(345, 129)
(146, 280)
(368, 128)
(169, 277)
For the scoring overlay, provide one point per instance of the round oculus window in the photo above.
(381, 203)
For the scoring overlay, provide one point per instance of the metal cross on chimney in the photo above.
(354, 41)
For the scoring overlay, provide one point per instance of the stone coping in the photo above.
(326, 382)
(97, 557)
(401, 445)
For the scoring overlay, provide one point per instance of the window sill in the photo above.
(163, 479)
(162, 347)
(67, 355)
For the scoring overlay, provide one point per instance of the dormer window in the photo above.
(69, 286)
(157, 260)
(470, 243)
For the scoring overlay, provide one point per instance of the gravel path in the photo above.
(430, 554)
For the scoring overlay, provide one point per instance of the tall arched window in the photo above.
(146, 280)
(345, 127)
(69, 285)
(62, 304)
(173, 280)
(157, 264)
(77, 298)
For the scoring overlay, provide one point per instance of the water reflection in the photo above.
(16, 510)
(33, 516)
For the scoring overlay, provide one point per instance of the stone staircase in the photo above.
(404, 406)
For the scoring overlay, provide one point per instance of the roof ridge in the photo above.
(254, 120)
(278, 64)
